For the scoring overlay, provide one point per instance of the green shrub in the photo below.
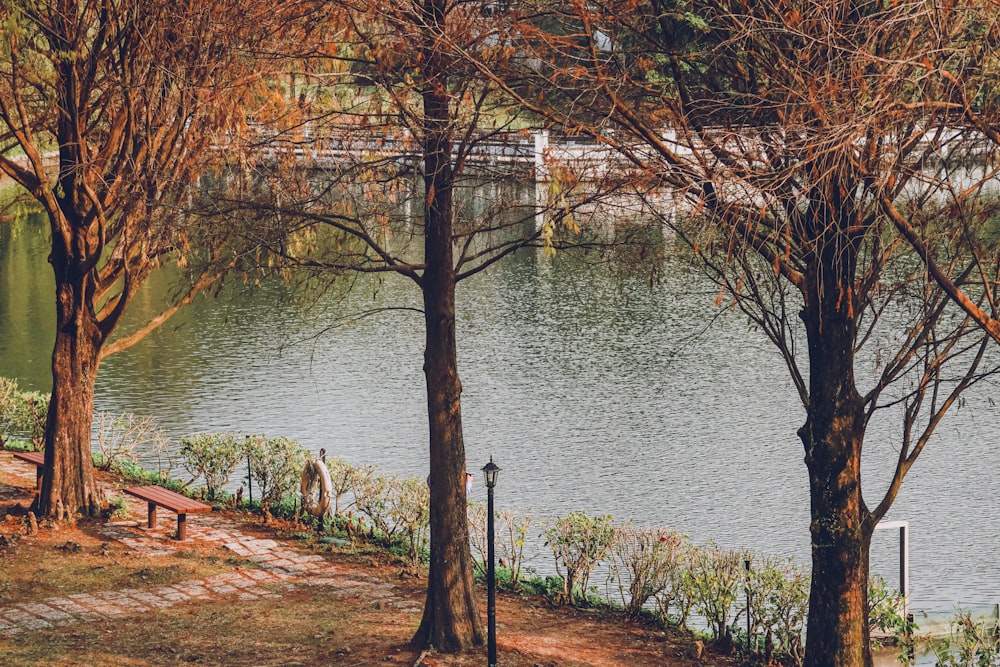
(644, 564)
(548, 586)
(22, 413)
(476, 512)
(8, 400)
(371, 491)
(398, 511)
(717, 578)
(674, 602)
(121, 437)
(513, 529)
(286, 508)
(276, 466)
(779, 599)
(17, 445)
(34, 413)
(118, 508)
(579, 543)
(410, 510)
(972, 643)
(342, 476)
(885, 607)
(213, 457)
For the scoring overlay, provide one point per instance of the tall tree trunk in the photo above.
(68, 474)
(841, 535)
(451, 617)
(833, 436)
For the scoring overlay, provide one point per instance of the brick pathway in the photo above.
(12, 466)
(280, 569)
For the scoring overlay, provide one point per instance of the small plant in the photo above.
(118, 508)
(716, 580)
(676, 599)
(779, 598)
(22, 413)
(213, 457)
(513, 530)
(133, 471)
(409, 509)
(549, 587)
(371, 491)
(972, 643)
(8, 399)
(275, 465)
(644, 563)
(35, 411)
(18, 445)
(119, 437)
(579, 543)
(342, 476)
(476, 511)
(885, 607)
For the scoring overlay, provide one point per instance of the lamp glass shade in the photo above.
(490, 470)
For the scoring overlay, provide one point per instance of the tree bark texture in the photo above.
(833, 436)
(451, 619)
(68, 480)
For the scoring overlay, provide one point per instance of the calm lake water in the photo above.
(588, 394)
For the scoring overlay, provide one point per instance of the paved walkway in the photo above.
(278, 569)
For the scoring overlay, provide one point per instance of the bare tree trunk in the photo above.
(68, 477)
(833, 436)
(451, 616)
(841, 535)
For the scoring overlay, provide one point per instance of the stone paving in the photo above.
(280, 569)
(15, 468)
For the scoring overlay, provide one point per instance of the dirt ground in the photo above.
(238, 592)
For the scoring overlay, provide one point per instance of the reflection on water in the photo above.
(589, 394)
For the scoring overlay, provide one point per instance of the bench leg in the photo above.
(152, 516)
(181, 527)
(38, 478)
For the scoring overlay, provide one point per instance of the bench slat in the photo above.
(167, 499)
(37, 458)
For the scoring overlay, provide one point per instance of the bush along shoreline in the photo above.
(752, 605)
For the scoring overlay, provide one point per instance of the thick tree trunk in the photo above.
(837, 634)
(451, 619)
(837, 626)
(68, 476)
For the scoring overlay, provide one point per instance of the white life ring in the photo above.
(316, 488)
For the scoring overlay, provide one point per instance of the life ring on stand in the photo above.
(316, 488)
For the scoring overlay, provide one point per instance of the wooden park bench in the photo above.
(157, 496)
(38, 460)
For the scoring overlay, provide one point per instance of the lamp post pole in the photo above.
(747, 564)
(490, 470)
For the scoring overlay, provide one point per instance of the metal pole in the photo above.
(746, 563)
(904, 565)
(491, 585)
(911, 649)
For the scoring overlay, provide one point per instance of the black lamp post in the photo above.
(490, 470)
(746, 563)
